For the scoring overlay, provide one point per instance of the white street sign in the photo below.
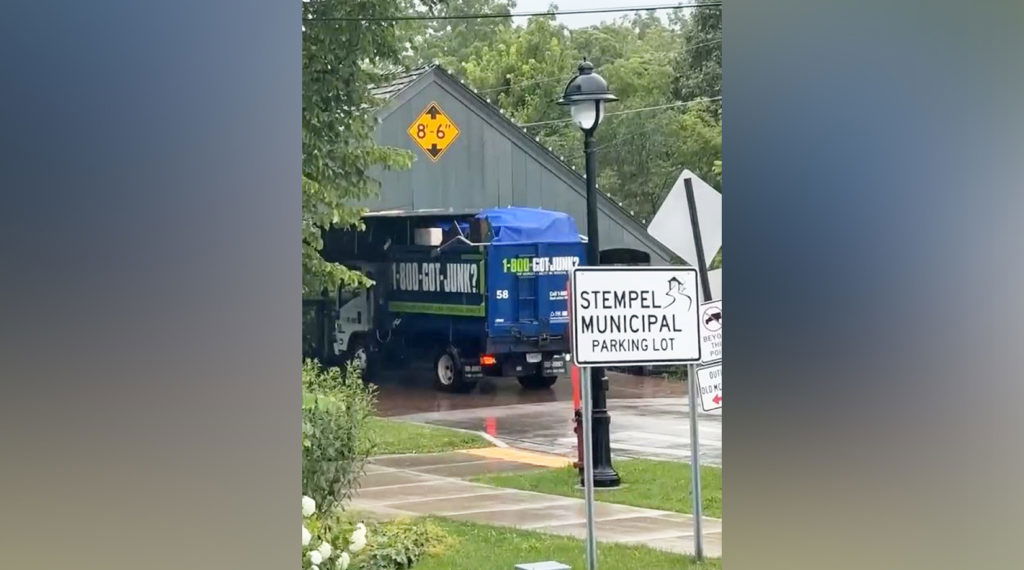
(711, 332)
(709, 383)
(635, 315)
(670, 225)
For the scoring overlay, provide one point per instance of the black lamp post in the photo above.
(586, 94)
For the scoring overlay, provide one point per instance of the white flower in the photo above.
(305, 536)
(343, 560)
(358, 539)
(314, 567)
(315, 557)
(325, 550)
(308, 506)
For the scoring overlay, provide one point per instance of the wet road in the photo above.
(649, 415)
(407, 393)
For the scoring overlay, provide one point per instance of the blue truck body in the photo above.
(495, 304)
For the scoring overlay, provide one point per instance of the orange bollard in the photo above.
(577, 415)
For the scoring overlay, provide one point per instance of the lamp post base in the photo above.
(606, 477)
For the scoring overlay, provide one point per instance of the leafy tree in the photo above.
(699, 65)
(340, 61)
(453, 42)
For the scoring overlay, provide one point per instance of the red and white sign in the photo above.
(711, 332)
(709, 385)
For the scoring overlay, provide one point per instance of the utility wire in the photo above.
(715, 4)
(628, 111)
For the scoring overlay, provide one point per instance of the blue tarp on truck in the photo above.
(530, 225)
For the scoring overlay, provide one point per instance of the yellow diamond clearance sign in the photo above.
(433, 131)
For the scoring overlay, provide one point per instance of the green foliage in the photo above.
(340, 61)
(716, 263)
(452, 42)
(397, 545)
(389, 545)
(699, 66)
(336, 410)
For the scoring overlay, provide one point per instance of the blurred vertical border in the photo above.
(149, 284)
(873, 202)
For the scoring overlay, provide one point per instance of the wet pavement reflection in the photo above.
(411, 392)
(648, 414)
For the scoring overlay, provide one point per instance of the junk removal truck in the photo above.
(480, 293)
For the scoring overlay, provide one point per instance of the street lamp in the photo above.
(586, 95)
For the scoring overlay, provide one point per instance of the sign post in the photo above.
(691, 379)
(588, 469)
(704, 205)
(698, 534)
(629, 316)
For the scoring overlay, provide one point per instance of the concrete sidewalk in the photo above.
(433, 484)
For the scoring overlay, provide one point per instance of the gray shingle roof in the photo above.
(400, 82)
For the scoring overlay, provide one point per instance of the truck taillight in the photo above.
(488, 360)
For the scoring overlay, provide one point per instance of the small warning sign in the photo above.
(433, 131)
(709, 383)
(711, 332)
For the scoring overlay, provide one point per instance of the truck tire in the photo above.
(448, 373)
(537, 381)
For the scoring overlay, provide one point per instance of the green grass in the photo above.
(484, 547)
(647, 483)
(395, 437)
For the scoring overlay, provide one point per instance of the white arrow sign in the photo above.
(668, 224)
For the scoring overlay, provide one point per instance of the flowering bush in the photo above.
(328, 543)
(336, 440)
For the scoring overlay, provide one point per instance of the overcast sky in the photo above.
(583, 20)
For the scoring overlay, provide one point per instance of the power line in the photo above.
(628, 111)
(652, 7)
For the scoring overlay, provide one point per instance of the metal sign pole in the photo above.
(691, 379)
(698, 537)
(588, 468)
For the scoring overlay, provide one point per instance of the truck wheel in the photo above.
(448, 373)
(537, 381)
